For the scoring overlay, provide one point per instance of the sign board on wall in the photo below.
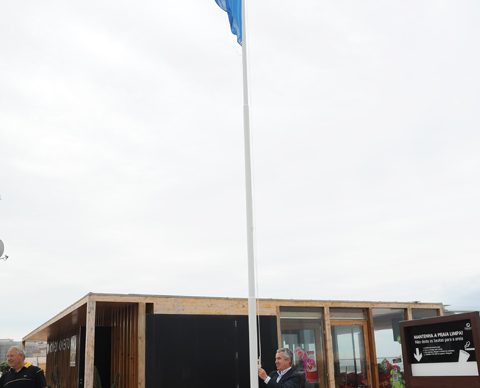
(65, 344)
(442, 349)
(73, 350)
(442, 352)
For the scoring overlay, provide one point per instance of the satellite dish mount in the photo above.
(2, 249)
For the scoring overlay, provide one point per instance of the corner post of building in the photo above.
(329, 348)
(373, 350)
(90, 343)
(142, 311)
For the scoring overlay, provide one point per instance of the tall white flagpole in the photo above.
(252, 302)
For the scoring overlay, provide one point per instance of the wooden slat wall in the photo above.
(124, 323)
(60, 373)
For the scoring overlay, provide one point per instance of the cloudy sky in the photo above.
(121, 151)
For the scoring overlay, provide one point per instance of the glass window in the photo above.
(302, 332)
(386, 326)
(424, 313)
(349, 353)
(346, 313)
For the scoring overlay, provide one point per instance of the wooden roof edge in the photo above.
(39, 332)
(35, 335)
(338, 302)
(110, 297)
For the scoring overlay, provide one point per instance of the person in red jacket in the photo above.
(285, 376)
(21, 374)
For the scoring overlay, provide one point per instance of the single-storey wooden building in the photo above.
(154, 341)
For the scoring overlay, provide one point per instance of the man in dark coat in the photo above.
(21, 374)
(285, 376)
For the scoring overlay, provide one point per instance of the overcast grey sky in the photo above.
(121, 151)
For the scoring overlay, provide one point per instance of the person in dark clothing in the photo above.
(285, 376)
(21, 374)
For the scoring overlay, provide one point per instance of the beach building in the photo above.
(157, 341)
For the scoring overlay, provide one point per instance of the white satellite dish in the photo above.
(2, 248)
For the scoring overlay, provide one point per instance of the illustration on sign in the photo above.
(442, 349)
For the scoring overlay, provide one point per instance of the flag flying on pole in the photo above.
(234, 10)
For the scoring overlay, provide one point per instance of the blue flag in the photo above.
(234, 10)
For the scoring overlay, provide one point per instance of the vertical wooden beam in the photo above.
(123, 356)
(279, 329)
(141, 322)
(132, 344)
(329, 349)
(373, 349)
(409, 316)
(90, 344)
(116, 351)
(125, 365)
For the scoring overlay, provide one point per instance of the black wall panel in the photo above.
(203, 351)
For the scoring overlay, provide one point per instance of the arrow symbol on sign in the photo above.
(418, 356)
